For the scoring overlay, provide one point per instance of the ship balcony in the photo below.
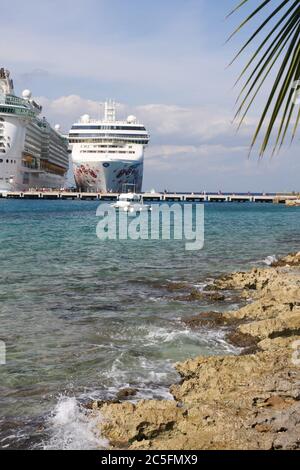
(30, 162)
(102, 138)
(10, 109)
(15, 101)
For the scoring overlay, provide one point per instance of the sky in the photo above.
(164, 61)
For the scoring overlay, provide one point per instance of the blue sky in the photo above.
(165, 61)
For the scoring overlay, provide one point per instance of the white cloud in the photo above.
(194, 122)
(168, 152)
(166, 123)
(67, 109)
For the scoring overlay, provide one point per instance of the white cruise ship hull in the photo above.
(12, 135)
(14, 175)
(32, 153)
(108, 176)
(23, 181)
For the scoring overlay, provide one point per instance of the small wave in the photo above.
(72, 427)
(269, 260)
(166, 336)
(202, 286)
(183, 335)
(151, 377)
(203, 340)
(153, 392)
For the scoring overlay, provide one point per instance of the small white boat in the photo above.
(131, 202)
(293, 202)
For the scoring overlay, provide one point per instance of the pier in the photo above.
(154, 197)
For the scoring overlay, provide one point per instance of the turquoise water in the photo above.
(82, 318)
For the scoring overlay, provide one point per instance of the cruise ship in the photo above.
(32, 153)
(108, 155)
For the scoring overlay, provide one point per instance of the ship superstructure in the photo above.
(108, 154)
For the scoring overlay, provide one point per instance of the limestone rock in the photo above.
(196, 295)
(229, 402)
(126, 423)
(206, 319)
(126, 393)
(290, 260)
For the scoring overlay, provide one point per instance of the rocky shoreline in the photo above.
(250, 401)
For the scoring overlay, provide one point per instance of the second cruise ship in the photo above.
(108, 155)
(32, 153)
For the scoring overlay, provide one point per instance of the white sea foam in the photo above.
(201, 286)
(72, 427)
(161, 335)
(150, 393)
(269, 260)
(166, 336)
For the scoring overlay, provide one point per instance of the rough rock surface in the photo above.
(250, 401)
(290, 260)
(196, 295)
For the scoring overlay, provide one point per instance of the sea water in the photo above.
(83, 318)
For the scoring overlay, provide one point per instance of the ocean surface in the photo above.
(83, 318)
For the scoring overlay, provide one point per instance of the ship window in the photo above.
(107, 128)
(1, 160)
(7, 161)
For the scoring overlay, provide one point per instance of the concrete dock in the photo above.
(154, 197)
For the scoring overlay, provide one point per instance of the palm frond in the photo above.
(279, 52)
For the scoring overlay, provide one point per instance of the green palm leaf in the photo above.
(278, 52)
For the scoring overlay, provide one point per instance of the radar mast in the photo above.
(110, 111)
